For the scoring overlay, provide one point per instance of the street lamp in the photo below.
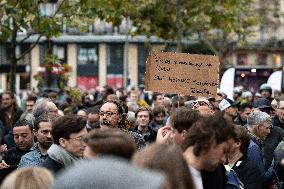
(125, 62)
(49, 9)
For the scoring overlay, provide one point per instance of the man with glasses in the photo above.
(278, 119)
(113, 115)
(44, 106)
(68, 134)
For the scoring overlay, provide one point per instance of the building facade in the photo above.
(94, 60)
(264, 52)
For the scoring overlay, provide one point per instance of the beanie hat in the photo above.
(108, 173)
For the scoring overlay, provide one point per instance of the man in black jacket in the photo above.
(205, 147)
(24, 140)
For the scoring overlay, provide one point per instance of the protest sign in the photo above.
(181, 73)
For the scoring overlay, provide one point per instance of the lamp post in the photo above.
(48, 9)
(125, 60)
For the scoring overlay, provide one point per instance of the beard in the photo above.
(106, 123)
(45, 144)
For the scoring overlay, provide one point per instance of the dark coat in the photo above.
(17, 115)
(239, 121)
(248, 173)
(214, 179)
(270, 143)
(277, 122)
(52, 165)
(149, 137)
(13, 156)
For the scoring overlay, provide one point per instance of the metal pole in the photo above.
(125, 60)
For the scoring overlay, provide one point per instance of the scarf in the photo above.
(59, 154)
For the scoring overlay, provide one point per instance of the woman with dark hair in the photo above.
(246, 169)
(169, 160)
(10, 113)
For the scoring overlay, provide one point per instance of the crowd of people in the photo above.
(140, 139)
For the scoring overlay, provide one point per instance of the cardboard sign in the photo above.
(181, 73)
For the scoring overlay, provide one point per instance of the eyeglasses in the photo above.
(80, 139)
(108, 114)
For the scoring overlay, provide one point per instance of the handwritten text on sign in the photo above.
(182, 73)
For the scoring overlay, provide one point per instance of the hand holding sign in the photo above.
(182, 73)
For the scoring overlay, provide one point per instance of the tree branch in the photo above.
(5, 26)
(211, 46)
(29, 49)
(2, 5)
(58, 8)
(26, 37)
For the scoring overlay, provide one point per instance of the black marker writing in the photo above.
(179, 80)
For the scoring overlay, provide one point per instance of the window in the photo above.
(242, 59)
(3, 55)
(88, 54)
(25, 81)
(143, 52)
(21, 49)
(262, 59)
(42, 51)
(115, 53)
(115, 59)
(60, 52)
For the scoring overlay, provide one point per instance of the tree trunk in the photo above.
(48, 64)
(13, 66)
(178, 26)
(13, 59)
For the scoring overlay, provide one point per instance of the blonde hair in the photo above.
(29, 177)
